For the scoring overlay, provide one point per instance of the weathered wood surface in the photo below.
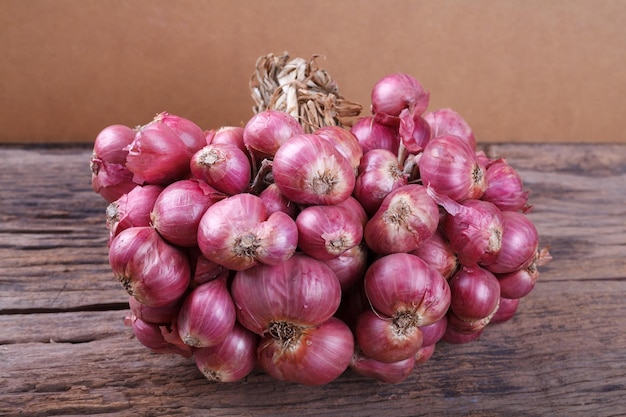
(65, 351)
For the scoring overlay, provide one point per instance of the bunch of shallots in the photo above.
(303, 254)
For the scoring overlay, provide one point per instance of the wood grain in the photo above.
(64, 349)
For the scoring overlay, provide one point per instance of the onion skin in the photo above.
(345, 142)
(475, 293)
(317, 356)
(406, 218)
(132, 209)
(150, 269)
(504, 187)
(275, 201)
(207, 315)
(109, 180)
(415, 133)
(373, 135)
(231, 360)
(448, 122)
(379, 174)
(385, 372)
(520, 242)
(397, 92)
(110, 143)
(518, 284)
(436, 252)
(301, 290)
(232, 135)
(223, 166)
(402, 282)
(508, 307)
(433, 332)
(189, 133)
(309, 170)
(424, 354)
(266, 131)
(156, 315)
(237, 233)
(350, 266)
(157, 338)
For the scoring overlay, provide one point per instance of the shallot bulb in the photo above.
(150, 269)
(506, 311)
(436, 251)
(207, 315)
(505, 188)
(374, 135)
(237, 233)
(415, 134)
(392, 372)
(275, 201)
(450, 166)
(158, 338)
(156, 315)
(109, 146)
(189, 133)
(446, 121)
(407, 217)
(223, 166)
(345, 142)
(326, 232)
(178, 210)
(132, 209)
(520, 242)
(379, 173)
(350, 266)
(231, 135)
(475, 294)
(309, 169)
(266, 131)
(395, 93)
(232, 359)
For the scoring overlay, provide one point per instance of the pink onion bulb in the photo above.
(150, 269)
(374, 135)
(450, 166)
(446, 121)
(345, 142)
(178, 210)
(231, 135)
(505, 188)
(407, 217)
(436, 251)
(223, 166)
(520, 242)
(379, 174)
(415, 133)
(189, 133)
(238, 234)
(475, 294)
(231, 360)
(350, 266)
(326, 232)
(156, 315)
(275, 201)
(158, 338)
(132, 209)
(207, 315)
(397, 92)
(266, 131)
(506, 311)
(392, 373)
(310, 170)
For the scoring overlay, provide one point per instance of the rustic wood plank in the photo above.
(557, 357)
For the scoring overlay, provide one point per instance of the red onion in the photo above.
(436, 251)
(189, 133)
(204, 270)
(223, 166)
(415, 133)
(111, 142)
(345, 142)
(350, 266)
(326, 232)
(450, 166)
(275, 201)
(520, 283)
(231, 135)
(397, 92)
(505, 188)
(407, 217)
(474, 229)
(310, 356)
(379, 173)
(207, 315)
(385, 372)
(110, 180)
(469, 326)
(178, 210)
(520, 242)
(231, 360)
(388, 339)
(310, 170)
(157, 155)
(352, 204)
(424, 354)
(453, 336)
(132, 209)
(157, 338)
(401, 283)
(373, 135)
(448, 122)
(266, 131)
(238, 234)
(300, 292)
(475, 294)
(506, 311)
(156, 315)
(433, 332)
(150, 269)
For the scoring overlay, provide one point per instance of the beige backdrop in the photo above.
(517, 70)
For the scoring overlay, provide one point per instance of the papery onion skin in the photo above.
(394, 93)
(189, 133)
(385, 372)
(231, 360)
(310, 170)
(520, 242)
(109, 146)
(150, 269)
(111, 181)
(406, 218)
(373, 135)
(317, 356)
(450, 166)
(237, 233)
(207, 315)
(505, 188)
(223, 166)
(436, 252)
(275, 201)
(379, 173)
(157, 337)
(301, 290)
(520, 283)
(350, 266)
(132, 209)
(345, 142)
(232, 135)
(326, 232)
(433, 332)
(446, 121)
(475, 293)
(266, 131)
(403, 282)
(156, 315)
(415, 134)
(178, 209)
(388, 339)
(506, 311)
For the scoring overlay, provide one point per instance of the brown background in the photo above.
(518, 71)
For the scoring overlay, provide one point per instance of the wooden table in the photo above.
(64, 349)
